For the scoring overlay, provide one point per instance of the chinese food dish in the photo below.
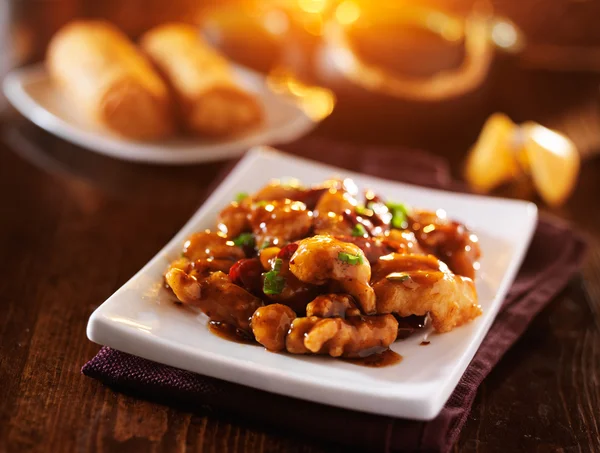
(172, 81)
(326, 270)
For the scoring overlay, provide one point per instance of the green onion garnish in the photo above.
(361, 210)
(277, 264)
(273, 282)
(358, 230)
(241, 196)
(397, 277)
(399, 215)
(260, 204)
(244, 239)
(350, 259)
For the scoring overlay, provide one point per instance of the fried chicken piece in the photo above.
(330, 211)
(223, 301)
(215, 246)
(320, 259)
(375, 247)
(270, 325)
(351, 337)
(450, 241)
(203, 268)
(402, 241)
(233, 220)
(183, 276)
(280, 221)
(420, 284)
(332, 306)
(207, 252)
(200, 268)
(181, 263)
(275, 190)
(219, 298)
(185, 286)
(312, 197)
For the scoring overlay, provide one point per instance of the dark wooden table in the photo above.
(74, 226)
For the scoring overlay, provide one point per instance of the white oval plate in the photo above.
(141, 319)
(32, 93)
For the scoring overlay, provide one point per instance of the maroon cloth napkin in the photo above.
(554, 256)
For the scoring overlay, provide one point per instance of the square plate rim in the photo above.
(420, 406)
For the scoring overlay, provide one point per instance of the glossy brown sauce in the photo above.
(228, 332)
(379, 360)
(450, 241)
(425, 342)
(423, 278)
(418, 270)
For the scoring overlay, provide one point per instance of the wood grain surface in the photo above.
(74, 226)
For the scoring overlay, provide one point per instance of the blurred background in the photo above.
(423, 74)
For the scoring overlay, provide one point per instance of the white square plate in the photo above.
(141, 319)
(32, 93)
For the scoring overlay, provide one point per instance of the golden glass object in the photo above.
(480, 32)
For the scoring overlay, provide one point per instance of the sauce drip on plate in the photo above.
(379, 360)
(228, 332)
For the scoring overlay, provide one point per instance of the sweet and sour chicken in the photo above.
(321, 270)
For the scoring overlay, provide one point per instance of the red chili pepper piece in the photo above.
(287, 251)
(247, 274)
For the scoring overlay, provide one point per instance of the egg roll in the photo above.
(210, 101)
(101, 71)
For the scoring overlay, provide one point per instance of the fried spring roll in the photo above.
(97, 67)
(210, 101)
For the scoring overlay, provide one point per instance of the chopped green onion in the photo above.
(350, 259)
(241, 196)
(399, 215)
(260, 204)
(244, 239)
(397, 277)
(277, 264)
(361, 210)
(273, 282)
(358, 230)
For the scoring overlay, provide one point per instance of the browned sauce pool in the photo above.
(425, 342)
(379, 360)
(228, 332)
